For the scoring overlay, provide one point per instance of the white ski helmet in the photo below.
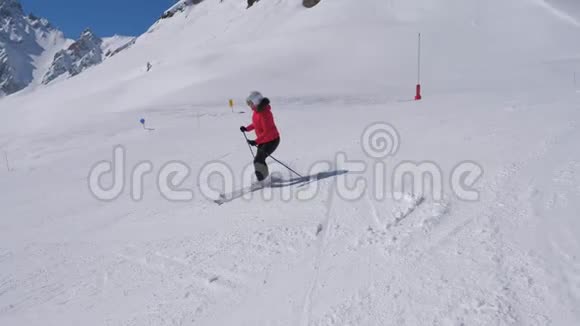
(255, 98)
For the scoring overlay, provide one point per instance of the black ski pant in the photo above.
(264, 150)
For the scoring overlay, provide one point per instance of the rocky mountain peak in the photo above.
(10, 8)
(33, 52)
(85, 52)
(87, 42)
(39, 22)
(87, 34)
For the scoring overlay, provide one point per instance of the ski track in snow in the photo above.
(557, 12)
(512, 268)
(321, 246)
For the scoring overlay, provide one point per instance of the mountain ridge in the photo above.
(33, 52)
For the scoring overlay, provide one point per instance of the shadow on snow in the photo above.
(280, 182)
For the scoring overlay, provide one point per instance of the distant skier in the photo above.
(268, 137)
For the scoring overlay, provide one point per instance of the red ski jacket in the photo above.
(264, 125)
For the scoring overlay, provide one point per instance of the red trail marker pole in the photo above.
(418, 90)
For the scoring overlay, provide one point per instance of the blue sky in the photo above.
(104, 17)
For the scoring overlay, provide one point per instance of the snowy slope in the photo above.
(499, 92)
(110, 44)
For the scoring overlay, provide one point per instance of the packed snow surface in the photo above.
(499, 98)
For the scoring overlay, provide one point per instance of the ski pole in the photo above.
(275, 159)
(250, 146)
(284, 165)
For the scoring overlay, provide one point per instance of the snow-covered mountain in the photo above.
(33, 52)
(26, 43)
(350, 243)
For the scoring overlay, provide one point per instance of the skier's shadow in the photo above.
(278, 182)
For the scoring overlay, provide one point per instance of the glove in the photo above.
(243, 129)
(252, 143)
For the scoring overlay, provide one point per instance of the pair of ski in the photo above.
(276, 182)
(273, 183)
(230, 196)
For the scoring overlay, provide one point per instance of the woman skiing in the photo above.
(267, 136)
